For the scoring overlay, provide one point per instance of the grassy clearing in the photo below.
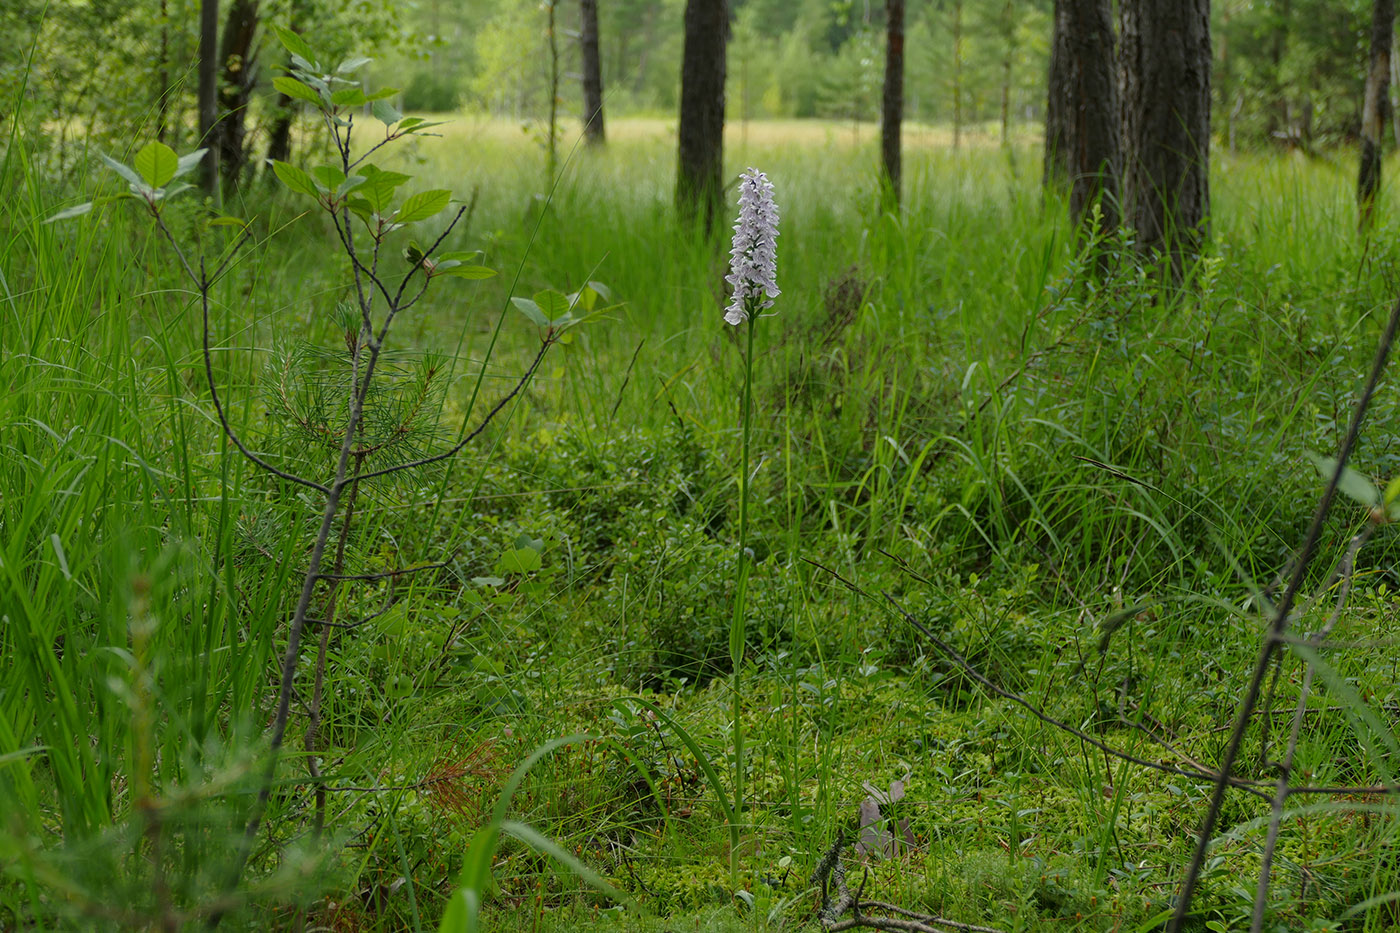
(948, 410)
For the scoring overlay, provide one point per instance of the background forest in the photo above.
(1285, 69)
(417, 513)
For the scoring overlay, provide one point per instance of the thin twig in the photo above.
(457, 448)
(1261, 890)
(1280, 626)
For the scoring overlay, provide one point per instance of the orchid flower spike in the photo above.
(753, 263)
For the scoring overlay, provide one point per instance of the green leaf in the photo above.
(379, 186)
(296, 89)
(383, 93)
(386, 112)
(295, 178)
(524, 540)
(547, 846)
(531, 310)
(228, 221)
(413, 253)
(519, 560)
(189, 162)
(329, 176)
(157, 163)
(75, 211)
(1392, 490)
(348, 97)
(124, 171)
(423, 205)
(168, 192)
(551, 303)
(465, 272)
(294, 43)
(1351, 483)
(362, 209)
(352, 64)
(415, 125)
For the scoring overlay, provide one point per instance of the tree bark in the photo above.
(1091, 132)
(1008, 26)
(208, 90)
(163, 74)
(1056, 165)
(1373, 116)
(592, 72)
(1165, 67)
(892, 104)
(279, 138)
(957, 71)
(700, 163)
(238, 55)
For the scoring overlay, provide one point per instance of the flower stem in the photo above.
(736, 626)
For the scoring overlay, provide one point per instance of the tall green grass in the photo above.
(948, 407)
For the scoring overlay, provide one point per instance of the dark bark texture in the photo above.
(700, 165)
(1374, 111)
(1165, 66)
(238, 56)
(1091, 134)
(592, 72)
(1056, 168)
(892, 105)
(208, 91)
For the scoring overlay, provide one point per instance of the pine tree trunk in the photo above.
(892, 104)
(1165, 66)
(1008, 23)
(1373, 116)
(279, 138)
(238, 55)
(700, 164)
(1092, 129)
(208, 90)
(592, 72)
(163, 75)
(957, 71)
(1056, 165)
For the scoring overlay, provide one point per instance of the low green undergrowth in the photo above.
(1081, 485)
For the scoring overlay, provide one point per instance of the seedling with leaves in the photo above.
(371, 418)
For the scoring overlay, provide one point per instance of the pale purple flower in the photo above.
(753, 263)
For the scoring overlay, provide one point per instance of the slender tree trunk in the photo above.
(1394, 85)
(1373, 117)
(279, 139)
(163, 75)
(892, 104)
(552, 165)
(1224, 84)
(592, 72)
(1008, 25)
(1056, 166)
(957, 71)
(1165, 83)
(239, 54)
(208, 91)
(1092, 132)
(700, 164)
(1283, 16)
